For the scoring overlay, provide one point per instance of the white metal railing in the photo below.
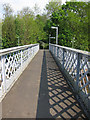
(12, 63)
(76, 63)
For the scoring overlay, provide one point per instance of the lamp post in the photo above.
(18, 40)
(73, 40)
(56, 33)
(49, 37)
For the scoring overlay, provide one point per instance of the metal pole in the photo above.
(73, 42)
(49, 38)
(18, 41)
(56, 35)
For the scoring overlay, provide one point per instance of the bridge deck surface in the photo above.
(41, 92)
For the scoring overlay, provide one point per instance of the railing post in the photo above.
(33, 51)
(78, 69)
(53, 49)
(49, 46)
(3, 72)
(57, 52)
(63, 60)
(21, 58)
(28, 53)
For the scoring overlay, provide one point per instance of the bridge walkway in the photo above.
(41, 92)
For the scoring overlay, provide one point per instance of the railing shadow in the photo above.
(56, 99)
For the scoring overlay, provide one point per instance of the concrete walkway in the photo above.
(41, 92)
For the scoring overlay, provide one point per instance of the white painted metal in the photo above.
(56, 34)
(77, 64)
(12, 63)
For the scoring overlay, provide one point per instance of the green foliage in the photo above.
(72, 21)
(8, 28)
(29, 26)
(53, 6)
(25, 28)
(0, 34)
(8, 32)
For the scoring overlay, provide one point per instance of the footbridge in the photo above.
(52, 83)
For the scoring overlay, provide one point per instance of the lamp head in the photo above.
(53, 27)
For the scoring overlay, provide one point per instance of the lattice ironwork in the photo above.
(84, 74)
(77, 65)
(70, 63)
(25, 55)
(1, 80)
(12, 62)
(0, 73)
(60, 55)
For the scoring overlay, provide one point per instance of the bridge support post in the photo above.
(21, 58)
(3, 74)
(28, 53)
(63, 58)
(53, 50)
(78, 69)
(49, 47)
(57, 52)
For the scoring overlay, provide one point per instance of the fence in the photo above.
(75, 64)
(12, 63)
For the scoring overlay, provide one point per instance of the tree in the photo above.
(31, 27)
(36, 10)
(72, 21)
(8, 28)
(78, 22)
(41, 20)
(52, 6)
(0, 34)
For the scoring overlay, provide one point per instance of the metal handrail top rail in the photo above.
(72, 49)
(14, 49)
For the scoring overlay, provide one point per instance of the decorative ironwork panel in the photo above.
(1, 80)
(84, 74)
(77, 65)
(25, 55)
(60, 55)
(70, 63)
(12, 62)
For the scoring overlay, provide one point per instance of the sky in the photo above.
(18, 5)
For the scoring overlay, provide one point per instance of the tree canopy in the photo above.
(30, 26)
(72, 21)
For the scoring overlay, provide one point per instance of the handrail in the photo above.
(75, 65)
(14, 49)
(13, 61)
(72, 49)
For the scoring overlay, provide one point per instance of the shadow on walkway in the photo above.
(55, 97)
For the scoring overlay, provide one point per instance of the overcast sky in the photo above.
(17, 5)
